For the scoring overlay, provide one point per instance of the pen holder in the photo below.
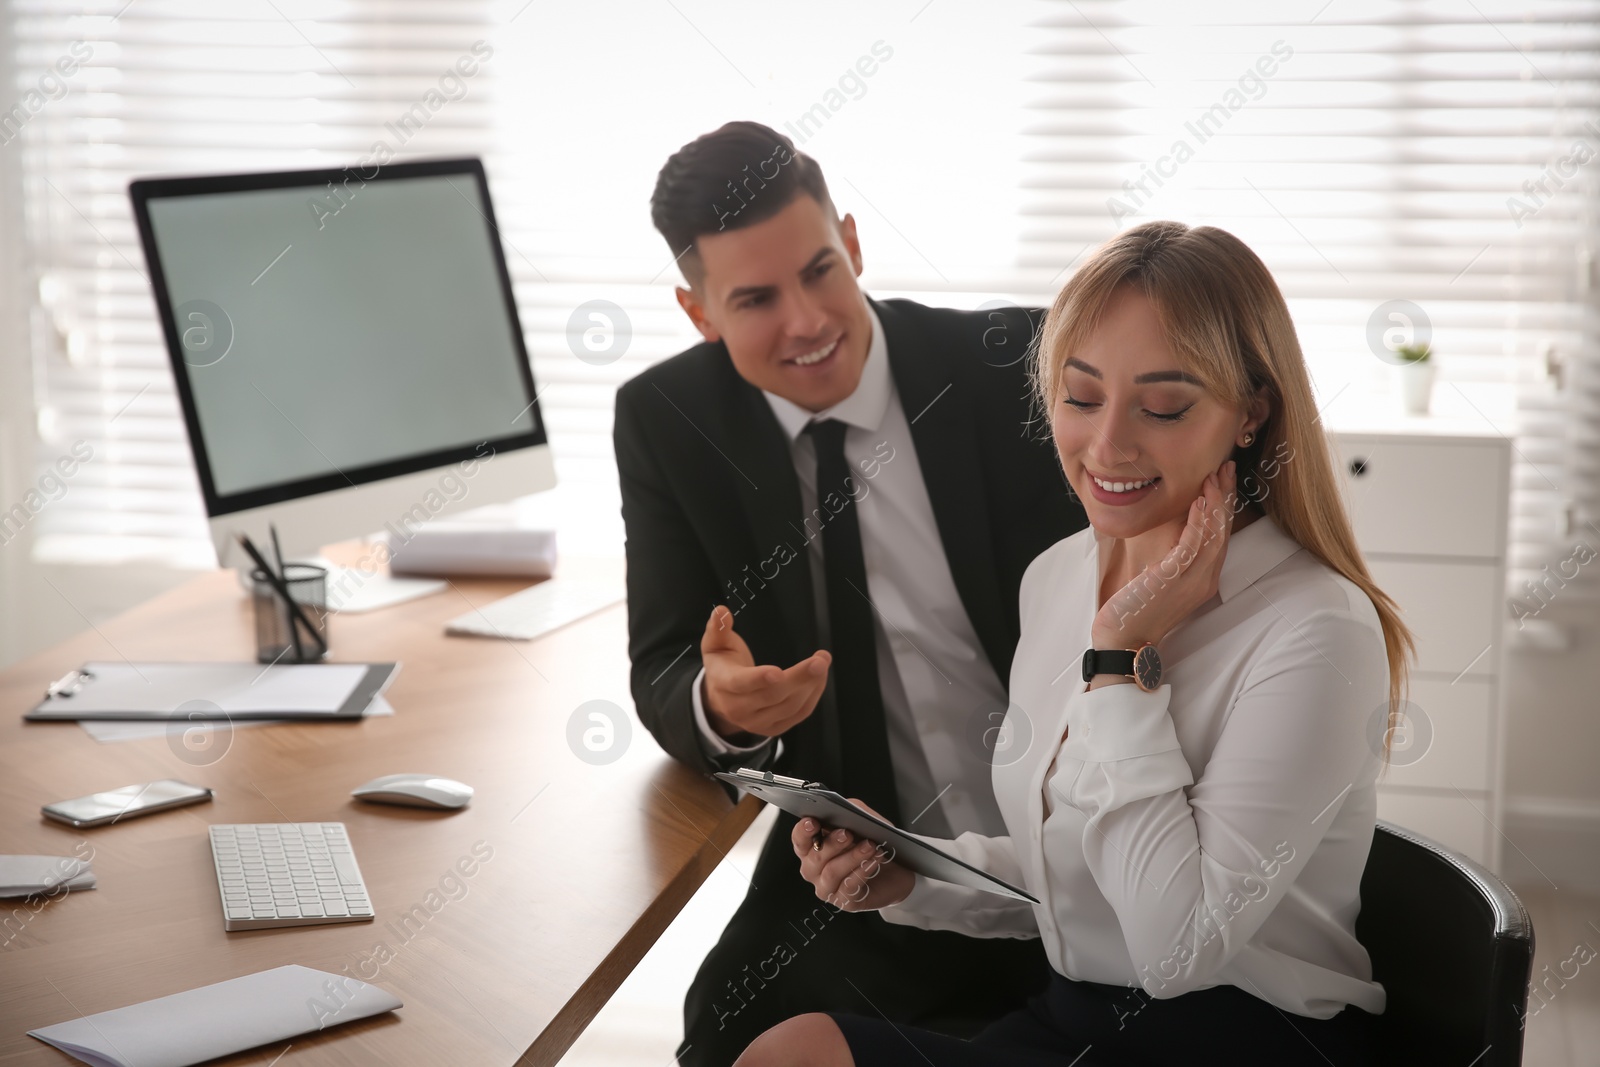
(275, 626)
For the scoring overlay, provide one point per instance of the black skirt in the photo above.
(1085, 1024)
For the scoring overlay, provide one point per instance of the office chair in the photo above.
(1453, 947)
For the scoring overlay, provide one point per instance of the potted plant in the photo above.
(1416, 376)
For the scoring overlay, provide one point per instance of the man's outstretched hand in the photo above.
(744, 699)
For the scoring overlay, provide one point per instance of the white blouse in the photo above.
(1211, 832)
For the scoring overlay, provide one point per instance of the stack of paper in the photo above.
(462, 548)
(23, 876)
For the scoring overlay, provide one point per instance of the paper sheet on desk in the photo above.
(216, 1020)
(23, 876)
(104, 730)
(232, 687)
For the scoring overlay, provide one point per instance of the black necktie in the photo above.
(868, 771)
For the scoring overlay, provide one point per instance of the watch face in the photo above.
(1147, 668)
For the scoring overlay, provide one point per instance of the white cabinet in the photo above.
(1452, 607)
(1460, 721)
(1430, 514)
(1421, 497)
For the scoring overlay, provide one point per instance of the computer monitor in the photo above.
(345, 346)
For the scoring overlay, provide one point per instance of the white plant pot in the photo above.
(1416, 386)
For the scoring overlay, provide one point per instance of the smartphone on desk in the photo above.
(97, 809)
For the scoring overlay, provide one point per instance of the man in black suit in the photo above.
(829, 506)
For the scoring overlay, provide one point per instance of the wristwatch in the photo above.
(1143, 665)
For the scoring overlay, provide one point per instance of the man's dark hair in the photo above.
(735, 176)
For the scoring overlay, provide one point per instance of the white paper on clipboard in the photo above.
(220, 691)
(802, 799)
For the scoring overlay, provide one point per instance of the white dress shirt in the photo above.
(1211, 832)
(939, 689)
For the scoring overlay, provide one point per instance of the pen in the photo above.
(277, 551)
(288, 596)
(283, 572)
(295, 611)
(819, 837)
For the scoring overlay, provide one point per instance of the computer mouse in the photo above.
(415, 790)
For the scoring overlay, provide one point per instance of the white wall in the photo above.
(1552, 805)
(16, 431)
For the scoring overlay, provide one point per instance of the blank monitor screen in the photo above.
(333, 335)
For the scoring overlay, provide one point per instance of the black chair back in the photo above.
(1453, 947)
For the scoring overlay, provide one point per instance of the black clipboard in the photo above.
(195, 692)
(802, 799)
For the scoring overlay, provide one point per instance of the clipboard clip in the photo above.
(68, 684)
(769, 778)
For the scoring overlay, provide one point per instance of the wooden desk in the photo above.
(589, 863)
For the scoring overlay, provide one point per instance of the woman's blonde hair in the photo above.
(1226, 321)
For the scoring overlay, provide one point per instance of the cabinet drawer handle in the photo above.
(1358, 466)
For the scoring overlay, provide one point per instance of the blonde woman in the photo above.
(1194, 802)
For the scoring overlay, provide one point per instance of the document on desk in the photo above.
(23, 876)
(217, 1020)
(109, 730)
(221, 691)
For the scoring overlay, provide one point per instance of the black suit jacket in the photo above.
(710, 497)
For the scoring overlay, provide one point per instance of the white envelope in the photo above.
(22, 876)
(216, 1020)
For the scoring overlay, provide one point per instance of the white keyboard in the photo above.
(537, 610)
(287, 874)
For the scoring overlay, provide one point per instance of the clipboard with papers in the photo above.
(198, 692)
(801, 798)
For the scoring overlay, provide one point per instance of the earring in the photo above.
(1247, 439)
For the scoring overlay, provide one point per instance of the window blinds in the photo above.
(1438, 153)
(1369, 151)
(172, 89)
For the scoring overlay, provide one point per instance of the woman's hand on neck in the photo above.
(1149, 548)
(1160, 593)
(1133, 554)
